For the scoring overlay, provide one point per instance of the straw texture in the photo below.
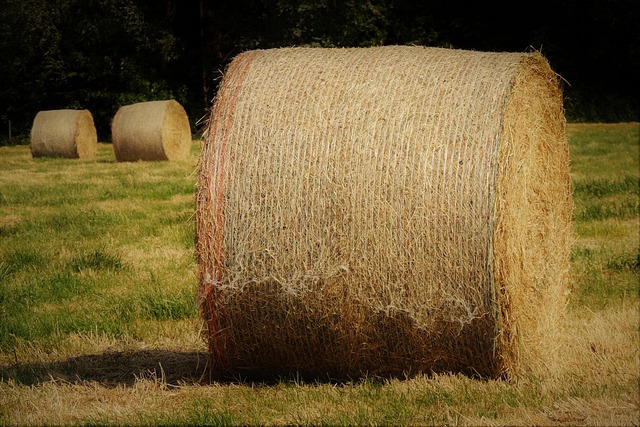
(64, 133)
(384, 211)
(154, 130)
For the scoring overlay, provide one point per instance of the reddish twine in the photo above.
(220, 346)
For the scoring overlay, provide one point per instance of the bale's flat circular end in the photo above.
(532, 236)
(176, 132)
(153, 130)
(64, 133)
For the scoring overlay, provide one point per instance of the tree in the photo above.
(94, 54)
(31, 65)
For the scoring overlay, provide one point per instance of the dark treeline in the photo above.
(101, 54)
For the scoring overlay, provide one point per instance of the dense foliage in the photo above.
(101, 54)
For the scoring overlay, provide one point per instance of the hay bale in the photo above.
(64, 133)
(154, 130)
(384, 211)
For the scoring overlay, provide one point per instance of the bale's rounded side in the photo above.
(154, 130)
(384, 211)
(64, 133)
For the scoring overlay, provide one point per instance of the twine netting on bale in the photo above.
(64, 133)
(384, 211)
(153, 130)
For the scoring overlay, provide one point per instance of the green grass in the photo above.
(98, 323)
(605, 169)
(78, 243)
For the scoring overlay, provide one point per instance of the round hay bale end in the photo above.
(64, 133)
(154, 130)
(384, 211)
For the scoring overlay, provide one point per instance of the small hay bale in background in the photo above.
(154, 130)
(64, 133)
(384, 211)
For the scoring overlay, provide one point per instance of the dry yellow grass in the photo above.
(600, 357)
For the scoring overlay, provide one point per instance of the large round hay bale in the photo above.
(384, 211)
(64, 133)
(154, 130)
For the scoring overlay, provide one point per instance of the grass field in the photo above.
(98, 323)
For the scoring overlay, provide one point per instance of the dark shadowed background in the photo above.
(102, 54)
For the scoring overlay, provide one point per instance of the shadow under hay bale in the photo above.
(64, 133)
(382, 211)
(154, 130)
